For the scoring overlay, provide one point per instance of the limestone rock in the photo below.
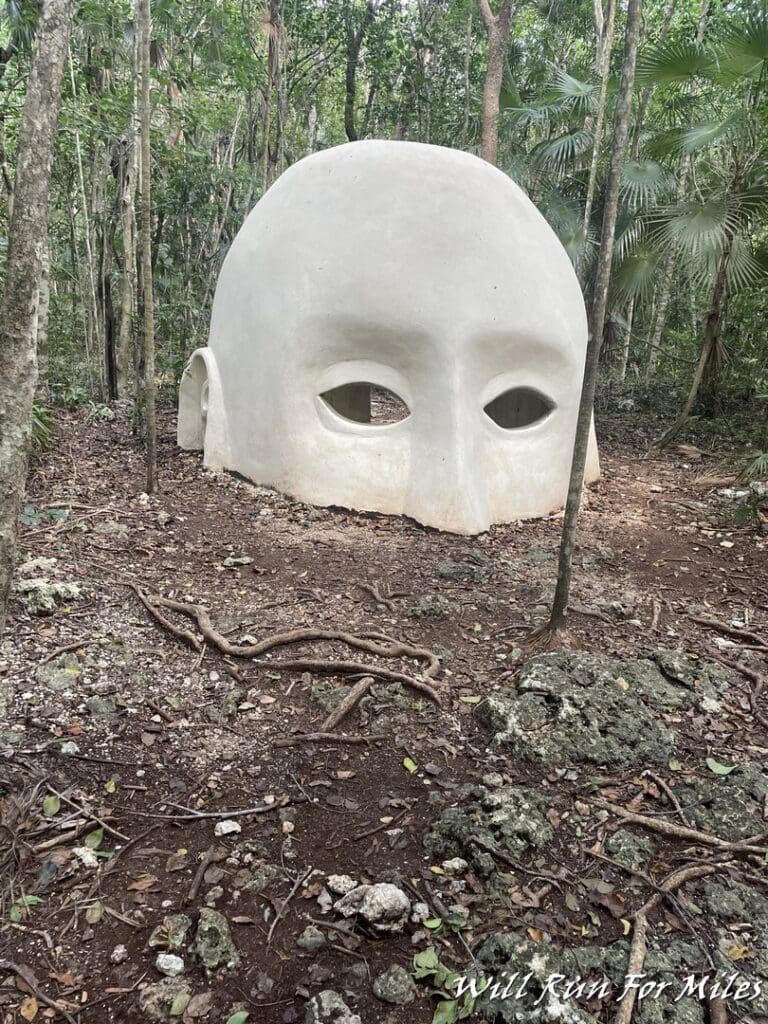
(213, 941)
(311, 940)
(327, 1007)
(341, 884)
(730, 806)
(171, 935)
(384, 907)
(395, 985)
(169, 964)
(511, 818)
(571, 707)
(165, 999)
(61, 673)
(42, 597)
(630, 849)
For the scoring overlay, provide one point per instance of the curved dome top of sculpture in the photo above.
(404, 268)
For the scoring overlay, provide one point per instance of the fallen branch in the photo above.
(193, 815)
(344, 707)
(211, 855)
(326, 737)
(300, 879)
(373, 590)
(668, 828)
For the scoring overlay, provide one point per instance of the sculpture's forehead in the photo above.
(416, 235)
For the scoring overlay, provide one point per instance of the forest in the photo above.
(329, 709)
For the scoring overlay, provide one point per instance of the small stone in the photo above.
(70, 747)
(311, 939)
(395, 986)
(341, 884)
(420, 913)
(226, 828)
(86, 856)
(169, 964)
(171, 934)
(455, 866)
(164, 999)
(118, 955)
(213, 941)
(383, 906)
(327, 1007)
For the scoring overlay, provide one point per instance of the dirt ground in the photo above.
(123, 739)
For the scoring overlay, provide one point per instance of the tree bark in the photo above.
(497, 30)
(604, 26)
(27, 245)
(143, 19)
(597, 321)
(355, 38)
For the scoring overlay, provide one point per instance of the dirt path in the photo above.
(151, 724)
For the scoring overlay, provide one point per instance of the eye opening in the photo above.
(518, 407)
(364, 402)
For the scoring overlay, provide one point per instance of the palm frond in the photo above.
(699, 226)
(564, 149)
(672, 62)
(636, 276)
(575, 94)
(743, 49)
(643, 181)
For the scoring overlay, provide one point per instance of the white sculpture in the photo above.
(420, 270)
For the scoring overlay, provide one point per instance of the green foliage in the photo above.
(42, 427)
(442, 981)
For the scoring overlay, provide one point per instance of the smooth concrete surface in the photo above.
(418, 269)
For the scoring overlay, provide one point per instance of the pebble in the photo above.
(226, 828)
(169, 964)
(118, 955)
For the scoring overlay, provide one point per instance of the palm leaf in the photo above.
(576, 95)
(743, 49)
(643, 181)
(563, 149)
(672, 62)
(636, 276)
(699, 226)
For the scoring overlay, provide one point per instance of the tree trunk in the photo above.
(467, 87)
(497, 29)
(27, 244)
(355, 38)
(143, 19)
(604, 26)
(600, 301)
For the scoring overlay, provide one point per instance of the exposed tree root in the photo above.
(377, 644)
(755, 692)
(325, 737)
(731, 631)
(339, 713)
(669, 828)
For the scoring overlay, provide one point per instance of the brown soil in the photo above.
(653, 549)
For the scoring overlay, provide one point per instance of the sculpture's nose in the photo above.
(447, 482)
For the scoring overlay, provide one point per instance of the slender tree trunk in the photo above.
(145, 156)
(355, 38)
(604, 26)
(497, 30)
(626, 342)
(128, 280)
(467, 89)
(27, 244)
(597, 321)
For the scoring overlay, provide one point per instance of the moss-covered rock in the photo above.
(730, 806)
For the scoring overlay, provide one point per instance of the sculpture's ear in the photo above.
(202, 421)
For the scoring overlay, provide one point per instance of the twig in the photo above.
(669, 794)
(209, 857)
(505, 858)
(30, 981)
(193, 815)
(326, 737)
(66, 649)
(373, 590)
(284, 905)
(379, 828)
(160, 710)
(669, 828)
(339, 713)
(88, 814)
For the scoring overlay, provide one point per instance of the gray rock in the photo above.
(60, 674)
(571, 707)
(264, 876)
(327, 1007)
(730, 806)
(632, 850)
(101, 707)
(433, 606)
(42, 597)
(395, 985)
(341, 884)
(165, 999)
(511, 819)
(213, 941)
(383, 907)
(171, 935)
(465, 572)
(311, 940)
(6, 696)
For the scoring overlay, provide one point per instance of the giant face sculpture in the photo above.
(415, 269)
